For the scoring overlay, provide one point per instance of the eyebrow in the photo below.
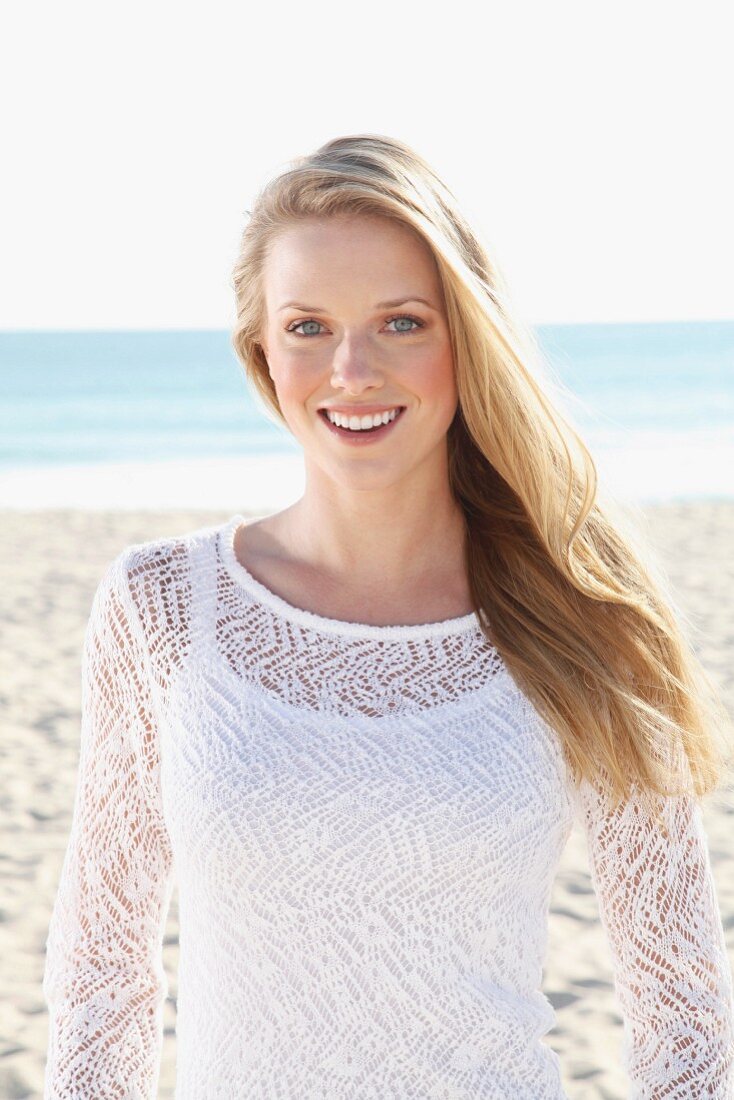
(380, 305)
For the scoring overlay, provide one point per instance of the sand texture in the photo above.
(51, 563)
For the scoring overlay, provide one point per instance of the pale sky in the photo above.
(587, 142)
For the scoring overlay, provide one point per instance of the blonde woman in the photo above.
(357, 732)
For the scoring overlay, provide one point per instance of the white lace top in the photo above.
(364, 824)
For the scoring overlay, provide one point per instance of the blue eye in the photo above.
(292, 328)
(406, 317)
(396, 332)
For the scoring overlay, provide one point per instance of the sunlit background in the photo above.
(589, 146)
(586, 143)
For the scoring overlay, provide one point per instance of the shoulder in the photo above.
(152, 578)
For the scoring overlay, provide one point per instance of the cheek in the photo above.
(436, 378)
(294, 379)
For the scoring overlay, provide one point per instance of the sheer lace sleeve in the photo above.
(659, 908)
(104, 982)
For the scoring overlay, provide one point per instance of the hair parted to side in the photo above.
(563, 582)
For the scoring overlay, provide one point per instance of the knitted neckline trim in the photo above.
(310, 620)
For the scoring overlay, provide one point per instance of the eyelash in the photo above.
(398, 317)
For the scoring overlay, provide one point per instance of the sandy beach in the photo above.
(51, 562)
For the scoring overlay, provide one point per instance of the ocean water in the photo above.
(168, 419)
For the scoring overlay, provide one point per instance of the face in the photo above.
(345, 331)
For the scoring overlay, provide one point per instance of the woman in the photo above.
(357, 732)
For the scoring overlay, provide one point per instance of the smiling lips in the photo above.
(365, 427)
(361, 421)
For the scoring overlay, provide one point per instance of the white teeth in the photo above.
(360, 423)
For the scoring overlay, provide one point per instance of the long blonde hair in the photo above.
(564, 585)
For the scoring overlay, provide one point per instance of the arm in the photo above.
(104, 982)
(658, 906)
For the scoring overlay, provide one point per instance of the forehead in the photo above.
(354, 250)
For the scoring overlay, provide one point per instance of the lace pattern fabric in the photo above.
(364, 823)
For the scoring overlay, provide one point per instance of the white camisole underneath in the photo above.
(364, 824)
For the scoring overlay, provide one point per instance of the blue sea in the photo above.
(138, 419)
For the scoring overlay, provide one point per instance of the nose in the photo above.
(353, 370)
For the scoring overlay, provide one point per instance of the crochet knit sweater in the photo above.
(364, 824)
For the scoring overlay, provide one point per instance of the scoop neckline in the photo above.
(237, 571)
